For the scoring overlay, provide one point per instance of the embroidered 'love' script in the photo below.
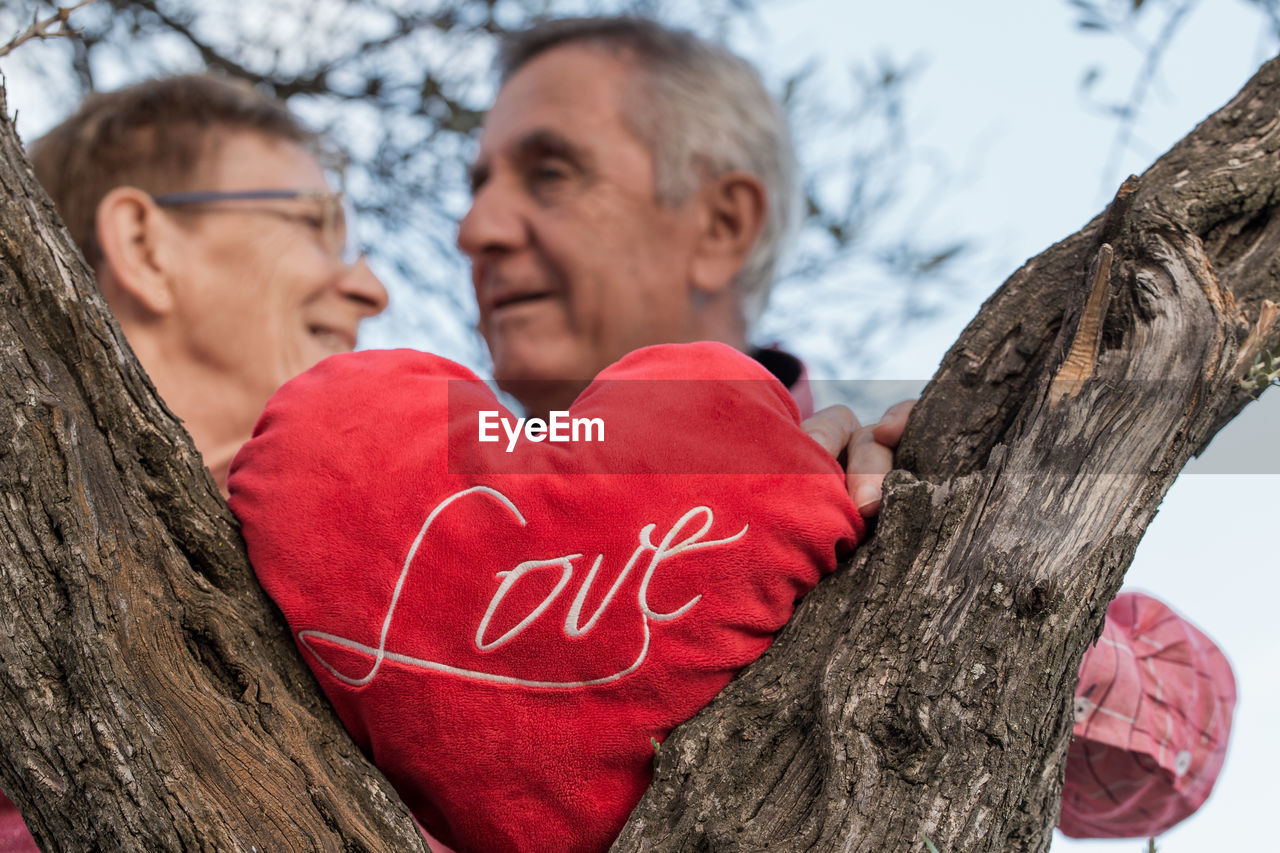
(507, 634)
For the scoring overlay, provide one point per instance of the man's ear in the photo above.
(734, 206)
(136, 237)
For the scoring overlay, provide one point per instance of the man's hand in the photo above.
(867, 450)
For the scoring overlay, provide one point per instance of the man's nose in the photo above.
(360, 285)
(493, 224)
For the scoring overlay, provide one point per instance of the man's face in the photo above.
(574, 262)
(261, 296)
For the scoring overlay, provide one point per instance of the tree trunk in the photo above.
(155, 700)
(925, 690)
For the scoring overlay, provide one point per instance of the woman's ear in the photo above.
(734, 207)
(138, 244)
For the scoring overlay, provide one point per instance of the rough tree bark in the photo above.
(158, 703)
(153, 700)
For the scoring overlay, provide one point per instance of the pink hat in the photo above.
(1152, 718)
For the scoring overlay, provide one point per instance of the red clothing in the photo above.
(790, 371)
(14, 837)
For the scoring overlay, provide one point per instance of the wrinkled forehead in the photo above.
(579, 90)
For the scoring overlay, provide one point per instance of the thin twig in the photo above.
(41, 29)
(1141, 87)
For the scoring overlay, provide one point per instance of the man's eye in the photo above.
(548, 174)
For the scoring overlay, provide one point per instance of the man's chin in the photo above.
(539, 394)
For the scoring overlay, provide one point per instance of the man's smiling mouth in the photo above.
(513, 299)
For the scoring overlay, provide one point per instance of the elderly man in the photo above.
(220, 247)
(615, 208)
(633, 186)
(585, 245)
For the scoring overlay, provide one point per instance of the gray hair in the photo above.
(706, 113)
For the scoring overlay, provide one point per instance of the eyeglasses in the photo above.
(335, 223)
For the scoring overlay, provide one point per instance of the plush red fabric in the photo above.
(1153, 717)
(508, 634)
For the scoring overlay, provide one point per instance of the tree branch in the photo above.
(41, 29)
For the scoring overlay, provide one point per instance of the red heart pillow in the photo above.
(508, 628)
